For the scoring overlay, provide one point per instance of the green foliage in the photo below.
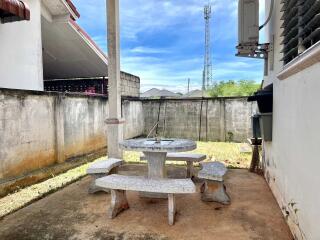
(234, 88)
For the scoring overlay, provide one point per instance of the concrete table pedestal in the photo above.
(156, 169)
(156, 164)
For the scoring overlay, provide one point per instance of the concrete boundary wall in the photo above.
(39, 130)
(45, 133)
(207, 119)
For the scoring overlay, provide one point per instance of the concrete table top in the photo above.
(165, 145)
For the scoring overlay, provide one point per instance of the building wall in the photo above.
(21, 52)
(291, 160)
(130, 85)
(220, 119)
(40, 130)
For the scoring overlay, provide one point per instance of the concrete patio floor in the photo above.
(72, 213)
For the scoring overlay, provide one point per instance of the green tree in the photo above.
(234, 88)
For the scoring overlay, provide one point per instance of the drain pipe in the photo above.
(269, 17)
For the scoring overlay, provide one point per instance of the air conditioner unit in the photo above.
(248, 23)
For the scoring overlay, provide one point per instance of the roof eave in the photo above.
(72, 9)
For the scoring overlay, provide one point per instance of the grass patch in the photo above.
(23, 197)
(229, 153)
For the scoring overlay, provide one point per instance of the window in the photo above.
(301, 26)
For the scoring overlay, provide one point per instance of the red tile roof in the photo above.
(14, 10)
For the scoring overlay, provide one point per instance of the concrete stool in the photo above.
(213, 188)
(102, 169)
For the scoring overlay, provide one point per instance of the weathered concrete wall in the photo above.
(45, 130)
(41, 129)
(84, 128)
(27, 133)
(130, 85)
(134, 116)
(219, 119)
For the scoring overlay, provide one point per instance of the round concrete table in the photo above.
(156, 152)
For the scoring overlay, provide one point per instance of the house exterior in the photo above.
(291, 159)
(130, 85)
(52, 46)
(157, 93)
(13, 11)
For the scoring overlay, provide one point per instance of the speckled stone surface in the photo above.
(104, 166)
(166, 145)
(187, 157)
(144, 184)
(212, 171)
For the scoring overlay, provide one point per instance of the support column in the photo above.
(119, 203)
(115, 122)
(171, 208)
(59, 128)
(222, 120)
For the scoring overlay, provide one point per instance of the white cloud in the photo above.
(173, 75)
(142, 16)
(162, 40)
(148, 50)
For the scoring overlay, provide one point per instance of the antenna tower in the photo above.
(207, 70)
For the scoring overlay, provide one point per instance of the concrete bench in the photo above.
(120, 184)
(101, 169)
(213, 188)
(190, 158)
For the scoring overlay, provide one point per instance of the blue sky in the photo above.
(162, 41)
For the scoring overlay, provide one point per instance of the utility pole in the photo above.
(188, 85)
(207, 70)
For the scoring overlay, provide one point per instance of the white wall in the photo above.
(292, 160)
(21, 52)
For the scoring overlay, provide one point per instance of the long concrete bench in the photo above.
(120, 184)
(100, 169)
(190, 158)
(213, 188)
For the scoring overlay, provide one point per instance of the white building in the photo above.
(49, 46)
(292, 159)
